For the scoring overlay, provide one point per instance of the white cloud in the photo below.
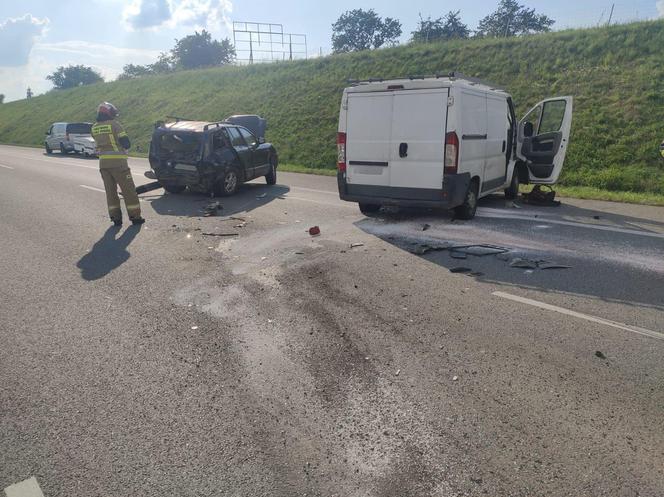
(153, 14)
(144, 14)
(45, 58)
(660, 8)
(17, 37)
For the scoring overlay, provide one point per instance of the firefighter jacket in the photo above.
(112, 144)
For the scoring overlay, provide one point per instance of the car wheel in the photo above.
(228, 184)
(368, 209)
(512, 191)
(469, 207)
(48, 149)
(271, 177)
(170, 188)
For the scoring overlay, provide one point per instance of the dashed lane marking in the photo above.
(94, 189)
(26, 488)
(580, 315)
(53, 162)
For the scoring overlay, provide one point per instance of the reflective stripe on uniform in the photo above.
(133, 206)
(101, 129)
(120, 135)
(113, 143)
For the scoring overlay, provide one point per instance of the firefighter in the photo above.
(112, 145)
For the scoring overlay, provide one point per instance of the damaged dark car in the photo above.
(212, 157)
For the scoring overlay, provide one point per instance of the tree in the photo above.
(163, 65)
(73, 76)
(443, 28)
(513, 19)
(363, 30)
(200, 50)
(2, 98)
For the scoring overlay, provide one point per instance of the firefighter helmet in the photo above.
(108, 110)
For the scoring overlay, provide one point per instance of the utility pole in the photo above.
(613, 6)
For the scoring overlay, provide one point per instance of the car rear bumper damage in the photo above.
(452, 194)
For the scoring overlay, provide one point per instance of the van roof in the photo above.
(422, 82)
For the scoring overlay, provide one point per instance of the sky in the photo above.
(37, 36)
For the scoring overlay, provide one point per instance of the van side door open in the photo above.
(543, 138)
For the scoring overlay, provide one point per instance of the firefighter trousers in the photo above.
(120, 176)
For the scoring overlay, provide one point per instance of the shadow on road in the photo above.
(108, 253)
(610, 266)
(250, 196)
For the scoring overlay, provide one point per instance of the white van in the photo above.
(70, 137)
(445, 142)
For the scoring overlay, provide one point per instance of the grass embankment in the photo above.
(614, 73)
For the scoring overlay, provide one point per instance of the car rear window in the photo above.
(180, 143)
(79, 128)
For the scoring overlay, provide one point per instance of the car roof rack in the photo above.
(453, 75)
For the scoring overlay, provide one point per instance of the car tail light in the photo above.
(451, 153)
(341, 152)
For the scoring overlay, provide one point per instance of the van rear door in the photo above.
(543, 139)
(417, 154)
(368, 132)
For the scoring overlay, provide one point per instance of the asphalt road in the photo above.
(163, 361)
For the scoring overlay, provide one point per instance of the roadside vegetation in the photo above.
(614, 73)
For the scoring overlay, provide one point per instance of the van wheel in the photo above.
(368, 209)
(512, 192)
(170, 188)
(271, 177)
(469, 207)
(228, 184)
(48, 149)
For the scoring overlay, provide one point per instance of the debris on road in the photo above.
(455, 378)
(480, 250)
(262, 195)
(523, 263)
(425, 227)
(355, 245)
(148, 187)
(314, 231)
(460, 270)
(553, 265)
(211, 209)
(458, 255)
(220, 234)
(541, 198)
(600, 355)
(194, 327)
(531, 264)
(398, 372)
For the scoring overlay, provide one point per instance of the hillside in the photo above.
(616, 75)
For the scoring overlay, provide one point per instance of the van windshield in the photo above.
(180, 145)
(79, 128)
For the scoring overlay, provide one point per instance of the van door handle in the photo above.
(504, 145)
(403, 150)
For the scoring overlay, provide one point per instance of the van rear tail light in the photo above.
(451, 153)
(341, 152)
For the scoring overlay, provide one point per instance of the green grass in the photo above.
(614, 73)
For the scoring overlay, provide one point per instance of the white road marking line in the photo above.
(26, 488)
(66, 163)
(313, 190)
(580, 315)
(94, 189)
(6, 167)
(494, 214)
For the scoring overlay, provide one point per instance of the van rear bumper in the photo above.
(452, 194)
